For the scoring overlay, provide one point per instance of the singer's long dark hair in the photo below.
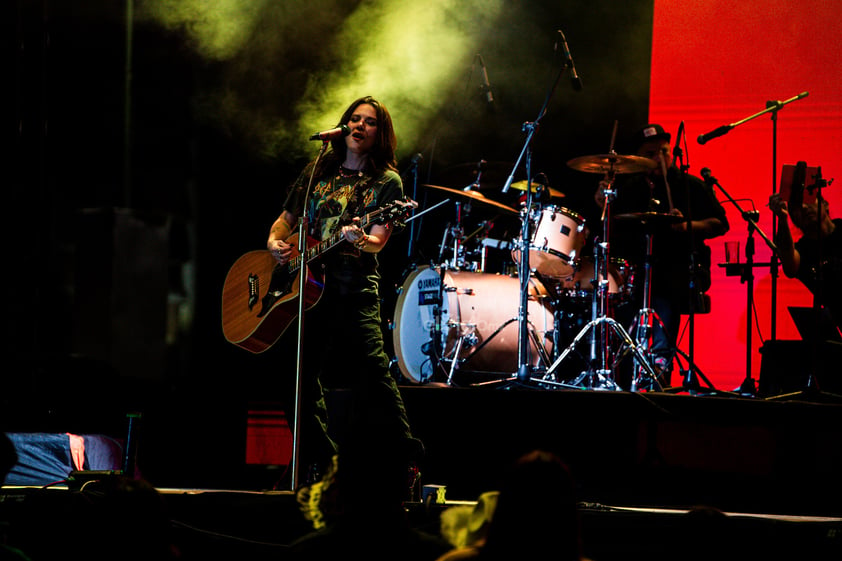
(382, 155)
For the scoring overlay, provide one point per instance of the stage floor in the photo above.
(640, 461)
(739, 454)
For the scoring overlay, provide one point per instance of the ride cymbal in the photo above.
(603, 163)
(474, 195)
(521, 186)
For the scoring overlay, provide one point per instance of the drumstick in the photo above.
(613, 136)
(666, 183)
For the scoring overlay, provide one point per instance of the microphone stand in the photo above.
(771, 107)
(524, 367)
(748, 387)
(303, 273)
(414, 170)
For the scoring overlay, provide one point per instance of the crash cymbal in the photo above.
(521, 186)
(651, 219)
(602, 163)
(474, 195)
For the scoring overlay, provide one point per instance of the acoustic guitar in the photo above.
(260, 296)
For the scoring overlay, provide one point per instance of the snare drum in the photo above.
(479, 309)
(577, 287)
(556, 242)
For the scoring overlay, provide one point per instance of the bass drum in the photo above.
(479, 309)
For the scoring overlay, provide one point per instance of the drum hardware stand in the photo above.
(599, 375)
(690, 376)
(433, 346)
(471, 340)
(643, 323)
(457, 233)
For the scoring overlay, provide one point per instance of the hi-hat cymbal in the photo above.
(521, 186)
(603, 163)
(474, 195)
(650, 219)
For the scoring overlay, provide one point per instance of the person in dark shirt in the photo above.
(356, 175)
(680, 258)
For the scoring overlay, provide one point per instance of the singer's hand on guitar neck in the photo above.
(278, 234)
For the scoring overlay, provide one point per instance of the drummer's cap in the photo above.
(649, 132)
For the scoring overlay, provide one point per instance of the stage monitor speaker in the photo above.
(785, 367)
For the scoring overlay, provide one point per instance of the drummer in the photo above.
(678, 248)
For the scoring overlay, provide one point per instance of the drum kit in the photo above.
(456, 321)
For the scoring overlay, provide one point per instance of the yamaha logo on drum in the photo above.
(432, 282)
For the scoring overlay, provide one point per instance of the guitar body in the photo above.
(260, 298)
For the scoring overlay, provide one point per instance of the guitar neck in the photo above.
(331, 241)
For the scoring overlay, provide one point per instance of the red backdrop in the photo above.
(717, 62)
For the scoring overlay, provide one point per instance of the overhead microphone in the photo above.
(676, 152)
(574, 76)
(486, 85)
(338, 132)
(709, 179)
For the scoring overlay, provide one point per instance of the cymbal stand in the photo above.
(600, 373)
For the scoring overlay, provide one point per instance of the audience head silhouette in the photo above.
(536, 511)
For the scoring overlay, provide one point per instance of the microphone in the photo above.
(486, 85)
(574, 76)
(417, 159)
(714, 133)
(676, 152)
(338, 132)
(709, 179)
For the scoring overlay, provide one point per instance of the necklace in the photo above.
(345, 172)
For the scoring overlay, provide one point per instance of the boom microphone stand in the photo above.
(524, 368)
(772, 107)
(748, 387)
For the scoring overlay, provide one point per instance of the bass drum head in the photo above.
(415, 321)
(480, 307)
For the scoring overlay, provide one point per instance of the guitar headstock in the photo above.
(397, 211)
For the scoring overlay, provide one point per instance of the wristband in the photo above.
(360, 243)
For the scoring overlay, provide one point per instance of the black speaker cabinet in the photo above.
(793, 365)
